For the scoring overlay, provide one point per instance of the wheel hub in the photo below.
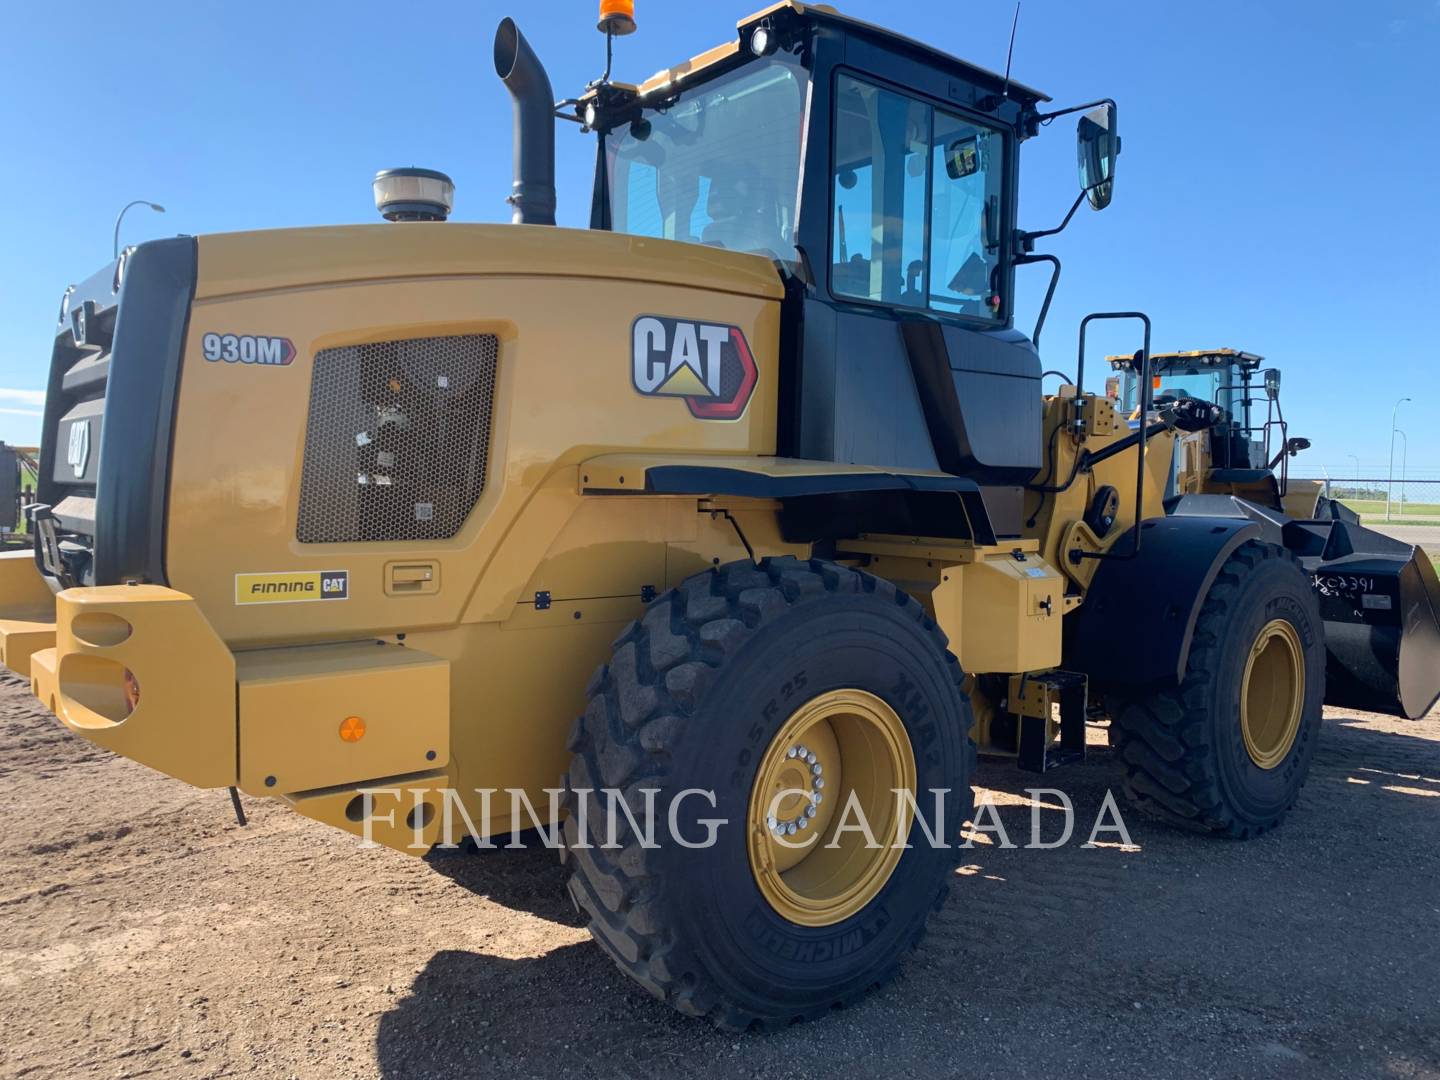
(838, 758)
(1272, 694)
(800, 788)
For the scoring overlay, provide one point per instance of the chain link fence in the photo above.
(1410, 501)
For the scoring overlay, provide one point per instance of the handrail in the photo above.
(1146, 401)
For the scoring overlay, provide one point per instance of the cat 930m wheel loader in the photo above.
(754, 476)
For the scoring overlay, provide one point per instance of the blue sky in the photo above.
(1277, 191)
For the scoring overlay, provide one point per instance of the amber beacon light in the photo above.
(617, 17)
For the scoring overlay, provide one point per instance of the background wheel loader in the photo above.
(1248, 452)
(1375, 662)
(755, 476)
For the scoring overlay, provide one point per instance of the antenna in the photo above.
(1010, 53)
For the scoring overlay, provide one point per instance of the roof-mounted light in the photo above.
(763, 41)
(617, 17)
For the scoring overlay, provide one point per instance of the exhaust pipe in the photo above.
(524, 76)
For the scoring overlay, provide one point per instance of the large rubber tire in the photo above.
(691, 699)
(1183, 748)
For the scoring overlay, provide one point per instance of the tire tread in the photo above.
(638, 709)
(1164, 739)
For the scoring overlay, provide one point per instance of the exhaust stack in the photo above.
(524, 76)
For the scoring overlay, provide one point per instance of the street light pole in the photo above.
(1390, 483)
(121, 217)
(1404, 457)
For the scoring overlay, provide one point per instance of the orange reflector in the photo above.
(1155, 382)
(617, 17)
(352, 729)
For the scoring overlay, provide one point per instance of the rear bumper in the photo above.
(138, 670)
(184, 721)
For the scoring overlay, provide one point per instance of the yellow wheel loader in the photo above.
(1240, 464)
(1244, 454)
(754, 477)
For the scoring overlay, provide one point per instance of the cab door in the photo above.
(915, 237)
(859, 401)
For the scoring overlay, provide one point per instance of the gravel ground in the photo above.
(143, 933)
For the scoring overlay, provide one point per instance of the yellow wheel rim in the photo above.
(839, 759)
(1272, 694)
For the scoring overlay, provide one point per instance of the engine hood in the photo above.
(247, 262)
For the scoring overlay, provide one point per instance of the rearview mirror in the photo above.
(1097, 142)
(962, 158)
(1272, 383)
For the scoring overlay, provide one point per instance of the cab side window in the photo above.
(966, 166)
(904, 171)
(881, 153)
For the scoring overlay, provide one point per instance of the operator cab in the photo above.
(1229, 378)
(880, 175)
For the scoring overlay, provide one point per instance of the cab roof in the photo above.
(1194, 358)
(823, 14)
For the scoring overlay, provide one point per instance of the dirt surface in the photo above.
(142, 933)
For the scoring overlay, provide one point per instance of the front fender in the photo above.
(1138, 619)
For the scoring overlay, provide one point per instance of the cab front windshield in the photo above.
(1215, 385)
(718, 165)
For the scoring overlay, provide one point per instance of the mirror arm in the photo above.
(1027, 258)
(1045, 118)
(1027, 239)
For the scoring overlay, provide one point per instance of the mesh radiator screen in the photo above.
(397, 439)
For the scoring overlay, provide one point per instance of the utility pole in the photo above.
(1390, 483)
(1355, 459)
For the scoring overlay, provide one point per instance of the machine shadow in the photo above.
(1390, 762)
(569, 1010)
(1362, 744)
(469, 1012)
(528, 879)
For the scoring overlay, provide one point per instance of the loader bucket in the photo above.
(1380, 601)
